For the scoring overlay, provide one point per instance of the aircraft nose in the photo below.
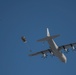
(64, 58)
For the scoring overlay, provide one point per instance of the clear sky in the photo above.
(31, 18)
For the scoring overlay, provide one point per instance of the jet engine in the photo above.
(73, 47)
(65, 49)
(44, 55)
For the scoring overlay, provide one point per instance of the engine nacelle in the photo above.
(66, 50)
(44, 55)
(73, 47)
(51, 52)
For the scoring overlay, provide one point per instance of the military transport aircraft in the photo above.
(54, 49)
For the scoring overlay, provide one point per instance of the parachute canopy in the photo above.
(23, 39)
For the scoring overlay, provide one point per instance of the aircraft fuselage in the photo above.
(57, 53)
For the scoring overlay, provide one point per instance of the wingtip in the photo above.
(29, 55)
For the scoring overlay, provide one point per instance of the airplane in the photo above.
(54, 49)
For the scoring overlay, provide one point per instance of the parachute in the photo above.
(24, 39)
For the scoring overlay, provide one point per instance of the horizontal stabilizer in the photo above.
(55, 36)
(47, 38)
(43, 39)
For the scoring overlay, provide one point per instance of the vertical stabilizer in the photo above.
(48, 33)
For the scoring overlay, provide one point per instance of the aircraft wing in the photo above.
(41, 52)
(65, 47)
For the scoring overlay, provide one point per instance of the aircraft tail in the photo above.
(48, 37)
(48, 33)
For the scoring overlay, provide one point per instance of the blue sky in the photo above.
(30, 18)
